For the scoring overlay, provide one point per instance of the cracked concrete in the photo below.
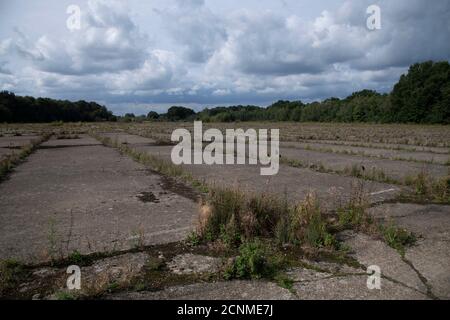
(369, 251)
(431, 254)
(84, 198)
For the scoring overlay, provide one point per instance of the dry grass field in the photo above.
(106, 196)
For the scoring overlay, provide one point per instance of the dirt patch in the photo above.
(178, 187)
(147, 197)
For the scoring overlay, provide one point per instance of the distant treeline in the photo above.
(28, 109)
(420, 96)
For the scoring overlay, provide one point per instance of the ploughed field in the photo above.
(107, 196)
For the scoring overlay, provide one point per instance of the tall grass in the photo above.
(233, 217)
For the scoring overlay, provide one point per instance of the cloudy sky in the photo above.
(137, 56)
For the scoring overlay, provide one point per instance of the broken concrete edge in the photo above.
(162, 269)
(425, 289)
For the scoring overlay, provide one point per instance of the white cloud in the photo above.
(208, 55)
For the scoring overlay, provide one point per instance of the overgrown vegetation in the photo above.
(234, 218)
(398, 238)
(426, 188)
(354, 215)
(255, 260)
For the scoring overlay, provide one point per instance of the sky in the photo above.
(140, 56)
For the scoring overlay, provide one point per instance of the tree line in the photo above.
(420, 96)
(15, 108)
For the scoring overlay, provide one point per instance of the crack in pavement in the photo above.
(422, 278)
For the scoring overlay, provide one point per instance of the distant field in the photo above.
(99, 188)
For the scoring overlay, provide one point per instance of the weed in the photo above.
(427, 188)
(285, 282)
(113, 286)
(234, 217)
(155, 264)
(254, 262)
(193, 239)
(398, 238)
(76, 258)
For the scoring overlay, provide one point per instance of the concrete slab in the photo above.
(438, 158)
(294, 183)
(369, 251)
(395, 169)
(431, 254)
(86, 199)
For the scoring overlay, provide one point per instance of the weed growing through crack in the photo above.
(398, 238)
(234, 217)
(255, 261)
(76, 258)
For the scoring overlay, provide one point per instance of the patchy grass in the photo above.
(255, 260)
(234, 217)
(428, 189)
(76, 258)
(398, 238)
(354, 215)
(285, 282)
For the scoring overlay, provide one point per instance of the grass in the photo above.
(76, 258)
(428, 189)
(398, 238)
(361, 153)
(256, 260)
(354, 215)
(234, 217)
